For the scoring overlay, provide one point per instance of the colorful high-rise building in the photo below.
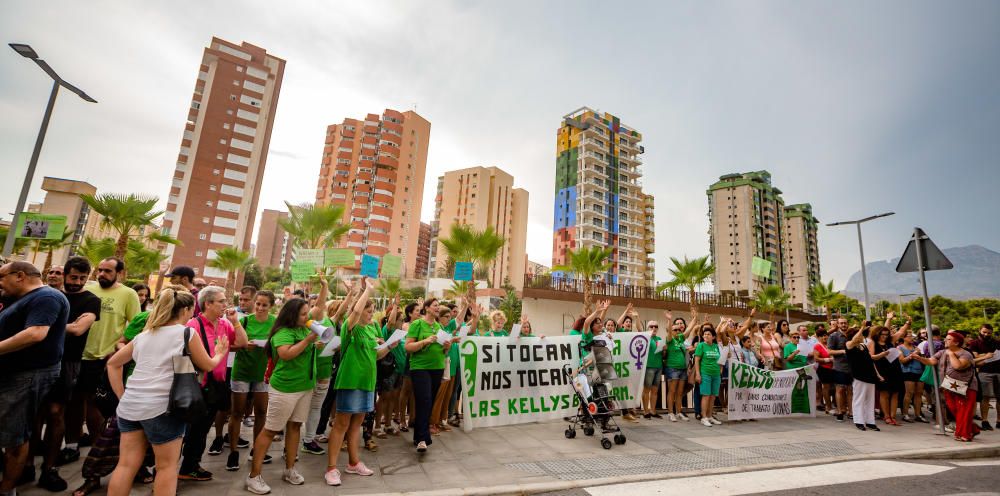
(801, 256)
(599, 198)
(213, 196)
(481, 198)
(375, 168)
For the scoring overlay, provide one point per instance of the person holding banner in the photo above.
(654, 372)
(497, 320)
(958, 381)
(770, 347)
(291, 345)
(590, 326)
(248, 373)
(426, 367)
(880, 346)
(448, 322)
(792, 355)
(356, 378)
(471, 319)
(676, 352)
(708, 373)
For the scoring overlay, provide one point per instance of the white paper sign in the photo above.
(443, 336)
(892, 355)
(995, 357)
(806, 347)
(515, 330)
(396, 336)
(464, 331)
(660, 345)
(230, 359)
(331, 347)
(260, 343)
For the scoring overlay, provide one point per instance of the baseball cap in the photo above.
(181, 271)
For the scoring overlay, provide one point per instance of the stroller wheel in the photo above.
(605, 443)
(570, 433)
(588, 430)
(619, 438)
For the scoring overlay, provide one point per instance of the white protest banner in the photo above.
(758, 393)
(509, 381)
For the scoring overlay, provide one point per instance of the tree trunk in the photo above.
(121, 249)
(829, 316)
(48, 261)
(693, 301)
(230, 282)
(587, 304)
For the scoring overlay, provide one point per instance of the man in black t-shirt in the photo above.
(989, 372)
(84, 310)
(32, 329)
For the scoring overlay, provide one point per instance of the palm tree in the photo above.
(459, 288)
(140, 260)
(771, 300)
(231, 260)
(586, 263)
(315, 226)
(96, 250)
(466, 244)
(19, 243)
(128, 215)
(51, 245)
(511, 306)
(821, 295)
(389, 287)
(689, 275)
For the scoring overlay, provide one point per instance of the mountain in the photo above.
(976, 275)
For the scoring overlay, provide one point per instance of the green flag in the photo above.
(761, 267)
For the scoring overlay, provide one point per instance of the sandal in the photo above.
(89, 486)
(380, 433)
(143, 476)
(444, 427)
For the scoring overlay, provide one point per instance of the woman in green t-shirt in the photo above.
(291, 346)
(448, 320)
(404, 404)
(497, 320)
(248, 373)
(654, 372)
(355, 384)
(708, 373)
(676, 362)
(426, 368)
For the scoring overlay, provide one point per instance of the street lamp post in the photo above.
(861, 249)
(28, 52)
(899, 300)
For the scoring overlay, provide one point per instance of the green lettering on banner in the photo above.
(312, 257)
(338, 257)
(302, 271)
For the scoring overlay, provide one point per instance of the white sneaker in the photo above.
(672, 417)
(714, 420)
(706, 422)
(257, 485)
(293, 477)
(683, 417)
(332, 477)
(421, 447)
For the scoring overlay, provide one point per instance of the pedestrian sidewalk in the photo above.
(538, 457)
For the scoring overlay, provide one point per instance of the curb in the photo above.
(954, 453)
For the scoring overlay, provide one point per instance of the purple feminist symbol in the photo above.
(637, 348)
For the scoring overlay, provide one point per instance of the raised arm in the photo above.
(898, 335)
(856, 340)
(318, 310)
(597, 313)
(359, 306)
(621, 319)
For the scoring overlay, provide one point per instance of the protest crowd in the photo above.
(153, 382)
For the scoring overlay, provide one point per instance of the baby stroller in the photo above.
(597, 406)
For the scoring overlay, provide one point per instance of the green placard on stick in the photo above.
(302, 271)
(40, 226)
(313, 257)
(338, 257)
(391, 265)
(761, 267)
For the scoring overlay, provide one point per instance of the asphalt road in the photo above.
(866, 478)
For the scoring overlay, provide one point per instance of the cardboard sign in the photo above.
(338, 257)
(312, 257)
(40, 226)
(369, 266)
(391, 265)
(463, 271)
(302, 271)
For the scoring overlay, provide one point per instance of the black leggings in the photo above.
(327, 408)
(425, 388)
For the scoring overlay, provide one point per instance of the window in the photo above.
(239, 68)
(204, 220)
(229, 207)
(247, 130)
(225, 222)
(236, 82)
(250, 85)
(232, 190)
(224, 239)
(197, 253)
(246, 114)
(218, 156)
(222, 141)
(232, 51)
(237, 175)
(238, 160)
(215, 172)
(202, 236)
(241, 145)
(225, 125)
(249, 100)
(257, 73)
(211, 187)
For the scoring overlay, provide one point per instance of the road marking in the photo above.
(976, 463)
(765, 481)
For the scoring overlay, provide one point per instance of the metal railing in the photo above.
(605, 290)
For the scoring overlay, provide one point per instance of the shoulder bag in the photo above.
(186, 400)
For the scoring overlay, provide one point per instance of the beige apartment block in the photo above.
(275, 247)
(746, 220)
(375, 168)
(62, 197)
(483, 197)
(801, 252)
(423, 251)
(213, 195)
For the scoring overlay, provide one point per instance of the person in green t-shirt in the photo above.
(355, 384)
(469, 318)
(794, 359)
(497, 320)
(388, 385)
(291, 345)
(590, 326)
(411, 314)
(654, 371)
(249, 365)
(708, 373)
(426, 368)
(676, 348)
(448, 320)
(324, 370)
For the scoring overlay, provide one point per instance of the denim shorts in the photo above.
(355, 401)
(21, 393)
(248, 387)
(160, 429)
(710, 385)
(652, 378)
(676, 374)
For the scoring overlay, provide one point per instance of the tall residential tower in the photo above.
(483, 197)
(801, 252)
(213, 197)
(599, 199)
(375, 168)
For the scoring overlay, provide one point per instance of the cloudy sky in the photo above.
(855, 107)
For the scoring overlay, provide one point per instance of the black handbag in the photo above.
(105, 397)
(186, 402)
